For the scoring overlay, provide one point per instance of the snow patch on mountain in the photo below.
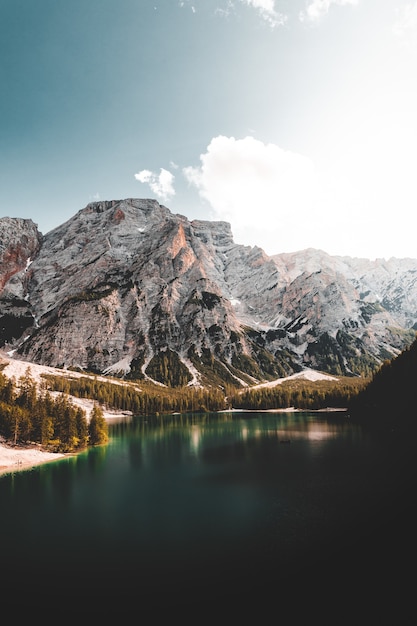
(307, 374)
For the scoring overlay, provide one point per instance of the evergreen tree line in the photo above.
(144, 400)
(300, 394)
(149, 399)
(30, 414)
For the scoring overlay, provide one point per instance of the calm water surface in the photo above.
(213, 505)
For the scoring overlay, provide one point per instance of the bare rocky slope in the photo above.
(128, 288)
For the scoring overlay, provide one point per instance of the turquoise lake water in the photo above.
(189, 510)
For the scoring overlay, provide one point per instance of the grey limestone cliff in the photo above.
(128, 288)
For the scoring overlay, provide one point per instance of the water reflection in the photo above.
(193, 433)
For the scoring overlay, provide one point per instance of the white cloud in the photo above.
(268, 194)
(267, 11)
(316, 9)
(161, 185)
(405, 27)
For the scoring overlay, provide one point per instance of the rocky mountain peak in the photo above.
(126, 287)
(20, 241)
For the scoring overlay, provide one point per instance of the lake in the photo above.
(281, 509)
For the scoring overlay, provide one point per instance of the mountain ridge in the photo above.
(128, 288)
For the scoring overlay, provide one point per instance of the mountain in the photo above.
(127, 288)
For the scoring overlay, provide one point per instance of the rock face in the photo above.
(20, 241)
(128, 288)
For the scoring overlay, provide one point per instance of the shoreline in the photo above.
(24, 457)
(15, 458)
(18, 458)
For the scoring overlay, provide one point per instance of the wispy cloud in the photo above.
(316, 9)
(161, 184)
(265, 8)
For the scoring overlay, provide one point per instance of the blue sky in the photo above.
(294, 120)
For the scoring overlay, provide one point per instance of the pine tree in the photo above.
(97, 427)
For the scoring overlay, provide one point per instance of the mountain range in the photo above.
(127, 288)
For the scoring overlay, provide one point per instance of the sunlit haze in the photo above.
(294, 120)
